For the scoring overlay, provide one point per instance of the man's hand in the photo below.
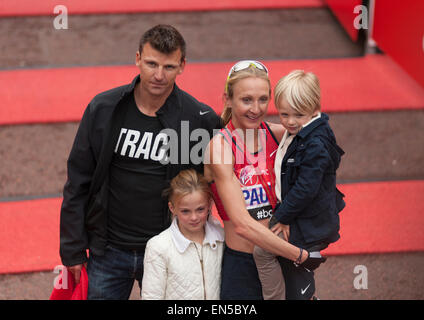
(76, 271)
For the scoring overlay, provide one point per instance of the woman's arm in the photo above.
(231, 196)
(277, 130)
(155, 274)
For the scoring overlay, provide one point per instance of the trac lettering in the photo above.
(145, 147)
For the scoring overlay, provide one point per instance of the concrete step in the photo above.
(211, 36)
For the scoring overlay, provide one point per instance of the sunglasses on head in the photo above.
(245, 64)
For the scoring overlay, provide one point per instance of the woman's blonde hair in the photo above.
(187, 182)
(233, 79)
(301, 90)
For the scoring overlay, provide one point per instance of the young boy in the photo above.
(305, 170)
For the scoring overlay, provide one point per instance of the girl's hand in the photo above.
(284, 229)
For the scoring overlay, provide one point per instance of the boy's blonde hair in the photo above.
(186, 182)
(233, 79)
(300, 90)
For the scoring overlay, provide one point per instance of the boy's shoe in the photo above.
(313, 261)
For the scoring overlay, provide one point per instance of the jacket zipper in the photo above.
(203, 271)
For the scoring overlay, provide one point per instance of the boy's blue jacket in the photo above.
(310, 201)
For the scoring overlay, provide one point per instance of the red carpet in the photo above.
(29, 235)
(379, 218)
(356, 84)
(45, 7)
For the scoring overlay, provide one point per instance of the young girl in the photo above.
(184, 261)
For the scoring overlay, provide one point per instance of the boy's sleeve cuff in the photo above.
(280, 216)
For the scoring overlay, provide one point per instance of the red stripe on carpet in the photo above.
(369, 83)
(379, 217)
(29, 235)
(46, 7)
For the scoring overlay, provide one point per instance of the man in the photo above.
(118, 167)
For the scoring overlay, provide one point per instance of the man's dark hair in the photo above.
(165, 39)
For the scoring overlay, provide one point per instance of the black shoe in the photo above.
(313, 261)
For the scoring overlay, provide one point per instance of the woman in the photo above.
(239, 167)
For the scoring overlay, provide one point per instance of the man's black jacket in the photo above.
(83, 220)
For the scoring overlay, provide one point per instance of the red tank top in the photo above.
(255, 173)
